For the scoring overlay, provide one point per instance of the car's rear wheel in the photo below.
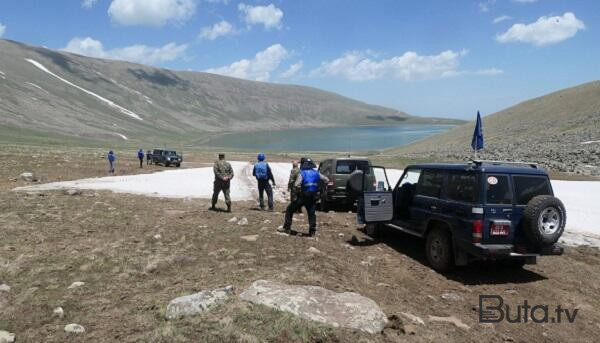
(438, 250)
(544, 220)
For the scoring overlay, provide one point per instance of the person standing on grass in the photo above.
(262, 172)
(307, 184)
(141, 157)
(223, 175)
(111, 162)
(292, 180)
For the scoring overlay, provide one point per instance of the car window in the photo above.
(411, 176)
(497, 189)
(347, 167)
(462, 187)
(527, 187)
(430, 183)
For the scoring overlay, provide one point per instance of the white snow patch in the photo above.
(2, 75)
(36, 86)
(581, 198)
(108, 102)
(589, 142)
(120, 135)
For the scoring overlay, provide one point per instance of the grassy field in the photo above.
(107, 240)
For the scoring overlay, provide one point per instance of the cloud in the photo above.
(358, 66)
(258, 68)
(134, 53)
(269, 16)
(2, 30)
(545, 31)
(525, 1)
(485, 6)
(481, 72)
(222, 28)
(87, 4)
(501, 19)
(151, 12)
(292, 70)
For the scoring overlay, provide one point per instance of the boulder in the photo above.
(197, 303)
(232, 220)
(6, 337)
(59, 312)
(243, 221)
(74, 328)
(348, 310)
(4, 288)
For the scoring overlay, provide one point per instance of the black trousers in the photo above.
(309, 201)
(141, 161)
(265, 186)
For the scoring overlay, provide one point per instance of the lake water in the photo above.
(328, 139)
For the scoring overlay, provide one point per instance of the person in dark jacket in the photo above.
(140, 155)
(262, 172)
(111, 162)
(307, 184)
(148, 157)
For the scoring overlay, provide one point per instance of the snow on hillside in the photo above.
(108, 102)
(581, 198)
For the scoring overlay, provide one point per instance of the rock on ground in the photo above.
(197, 303)
(413, 318)
(4, 288)
(233, 220)
(76, 284)
(349, 310)
(59, 312)
(28, 176)
(74, 328)
(250, 238)
(452, 320)
(6, 337)
(243, 221)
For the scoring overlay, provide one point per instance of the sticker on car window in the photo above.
(492, 180)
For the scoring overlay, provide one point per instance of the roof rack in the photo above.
(530, 164)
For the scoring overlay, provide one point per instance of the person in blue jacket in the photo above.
(262, 172)
(307, 185)
(140, 155)
(111, 162)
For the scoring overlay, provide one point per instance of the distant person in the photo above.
(148, 157)
(307, 185)
(262, 172)
(111, 162)
(223, 175)
(141, 157)
(292, 180)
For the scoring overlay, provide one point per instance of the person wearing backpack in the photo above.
(140, 155)
(262, 172)
(307, 185)
(111, 162)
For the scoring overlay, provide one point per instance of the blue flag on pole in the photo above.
(477, 142)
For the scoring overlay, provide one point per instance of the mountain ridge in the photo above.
(65, 93)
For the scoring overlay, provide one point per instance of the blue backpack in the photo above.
(310, 180)
(140, 154)
(111, 157)
(261, 171)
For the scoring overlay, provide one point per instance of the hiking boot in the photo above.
(284, 230)
(312, 233)
(229, 208)
(212, 208)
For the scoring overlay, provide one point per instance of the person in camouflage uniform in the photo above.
(292, 180)
(223, 175)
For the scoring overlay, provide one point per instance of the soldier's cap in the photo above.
(221, 155)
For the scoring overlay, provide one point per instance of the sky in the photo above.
(430, 58)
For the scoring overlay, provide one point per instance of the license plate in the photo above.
(499, 229)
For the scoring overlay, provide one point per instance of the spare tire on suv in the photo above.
(544, 220)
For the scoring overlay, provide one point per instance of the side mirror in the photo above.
(356, 182)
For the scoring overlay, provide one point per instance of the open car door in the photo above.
(374, 194)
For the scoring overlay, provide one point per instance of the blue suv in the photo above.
(487, 210)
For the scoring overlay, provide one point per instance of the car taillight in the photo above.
(477, 231)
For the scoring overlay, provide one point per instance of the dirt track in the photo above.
(107, 241)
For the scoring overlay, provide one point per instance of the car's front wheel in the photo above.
(438, 250)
